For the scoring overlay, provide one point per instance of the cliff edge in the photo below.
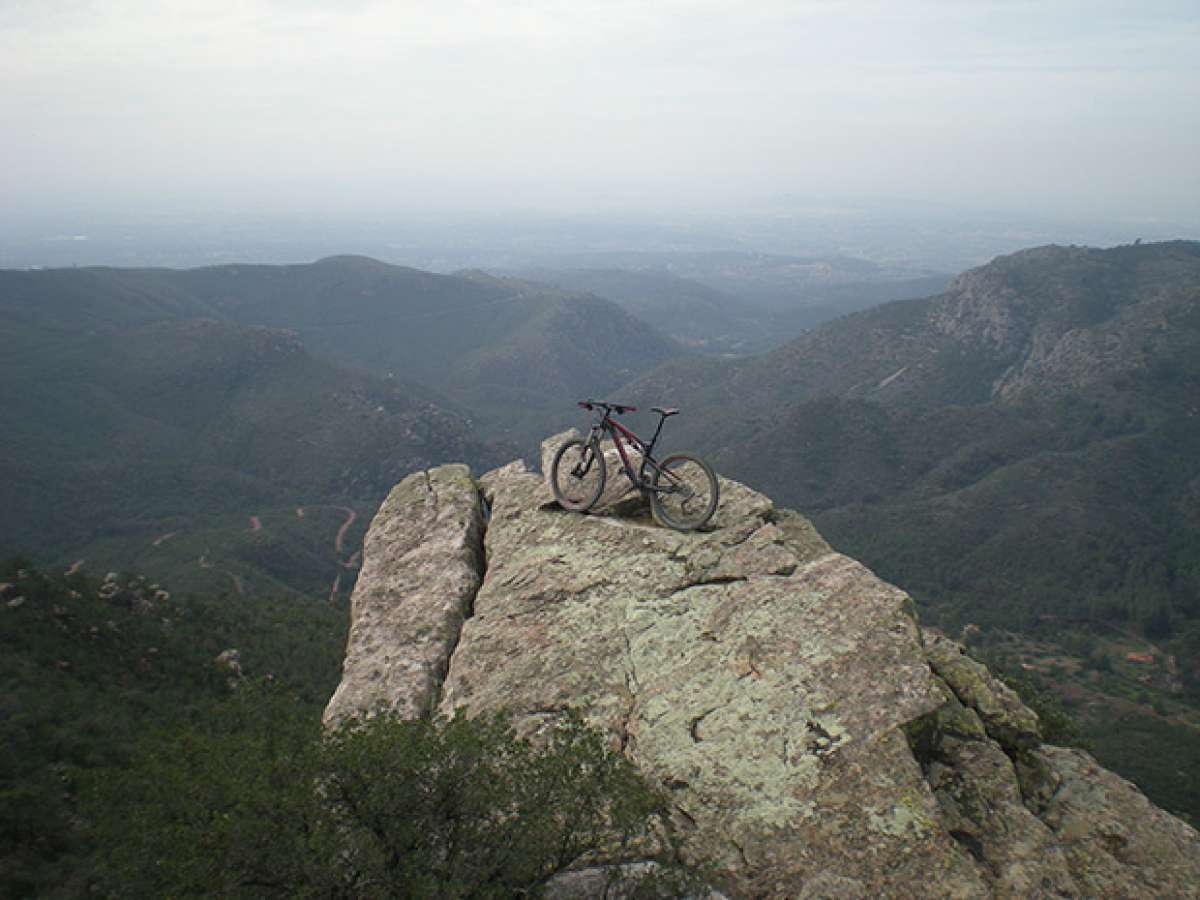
(814, 741)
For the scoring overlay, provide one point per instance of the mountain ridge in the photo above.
(981, 311)
(1021, 453)
(147, 400)
(464, 336)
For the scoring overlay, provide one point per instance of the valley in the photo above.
(735, 303)
(152, 407)
(1018, 451)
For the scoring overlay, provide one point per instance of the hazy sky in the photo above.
(1071, 108)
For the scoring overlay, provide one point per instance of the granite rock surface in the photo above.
(815, 741)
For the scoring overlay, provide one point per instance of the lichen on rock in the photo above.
(814, 743)
(422, 564)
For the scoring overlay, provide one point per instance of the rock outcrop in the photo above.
(814, 741)
(422, 564)
(1058, 319)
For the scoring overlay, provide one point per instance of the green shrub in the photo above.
(253, 802)
(1057, 725)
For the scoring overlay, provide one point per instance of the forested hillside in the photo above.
(737, 303)
(204, 452)
(96, 669)
(215, 426)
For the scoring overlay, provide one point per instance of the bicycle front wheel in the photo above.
(684, 492)
(577, 474)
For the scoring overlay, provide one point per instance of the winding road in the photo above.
(256, 525)
(339, 543)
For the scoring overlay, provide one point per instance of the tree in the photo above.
(253, 801)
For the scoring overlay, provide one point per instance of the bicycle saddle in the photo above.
(663, 412)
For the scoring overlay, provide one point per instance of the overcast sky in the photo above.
(1062, 108)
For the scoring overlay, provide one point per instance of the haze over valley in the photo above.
(926, 274)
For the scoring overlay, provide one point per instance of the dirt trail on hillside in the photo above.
(238, 584)
(339, 542)
(351, 515)
(339, 548)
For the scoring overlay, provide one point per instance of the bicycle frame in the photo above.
(616, 431)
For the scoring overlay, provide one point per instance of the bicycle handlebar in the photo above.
(618, 408)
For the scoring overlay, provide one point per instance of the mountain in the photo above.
(1025, 443)
(190, 449)
(772, 280)
(177, 421)
(1022, 453)
(565, 347)
(514, 352)
(689, 312)
(510, 350)
(811, 738)
(738, 302)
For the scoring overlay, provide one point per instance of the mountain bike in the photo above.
(682, 488)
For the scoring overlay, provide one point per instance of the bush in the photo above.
(254, 802)
(93, 677)
(485, 814)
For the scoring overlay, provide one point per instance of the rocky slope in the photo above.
(814, 741)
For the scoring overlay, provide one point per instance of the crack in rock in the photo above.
(694, 724)
(421, 572)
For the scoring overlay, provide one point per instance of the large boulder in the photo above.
(814, 742)
(422, 564)
(1048, 821)
(760, 676)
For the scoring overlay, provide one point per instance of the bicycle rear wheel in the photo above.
(684, 492)
(577, 474)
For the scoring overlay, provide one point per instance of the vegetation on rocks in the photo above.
(171, 745)
(90, 667)
(812, 740)
(253, 801)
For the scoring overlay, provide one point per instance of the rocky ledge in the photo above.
(814, 741)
